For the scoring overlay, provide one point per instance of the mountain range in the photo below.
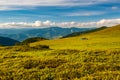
(21, 34)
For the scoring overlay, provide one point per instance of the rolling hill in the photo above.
(4, 41)
(33, 39)
(84, 32)
(114, 30)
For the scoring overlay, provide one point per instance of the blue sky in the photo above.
(42, 12)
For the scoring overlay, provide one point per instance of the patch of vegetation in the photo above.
(41, 64)
(26, 47)
(65, 52)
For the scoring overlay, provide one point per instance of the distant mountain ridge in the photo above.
(49, 33)
(84, 32)
(4, 41)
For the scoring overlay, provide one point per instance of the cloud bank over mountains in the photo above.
(44, 24)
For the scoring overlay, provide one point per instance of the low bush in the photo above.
(41, 47)
(25, 48)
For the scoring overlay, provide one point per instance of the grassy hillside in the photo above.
(103, 39)
(113, 31)
(95, 58)
(84, 32)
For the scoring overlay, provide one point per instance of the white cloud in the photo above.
(85, 13)
(114, 8)
(38, 23)
(48, 2)
(44, 24)
(12, 4)
(9, 8)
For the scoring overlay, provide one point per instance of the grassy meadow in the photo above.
(105, 39)
(97, 58)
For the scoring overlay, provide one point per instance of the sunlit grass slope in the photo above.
(59, 64)
(104, 39)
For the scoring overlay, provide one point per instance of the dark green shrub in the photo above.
(41, 47)
(22, 48)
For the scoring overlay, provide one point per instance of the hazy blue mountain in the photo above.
(49, 33)
(7, 41)
(13, 30)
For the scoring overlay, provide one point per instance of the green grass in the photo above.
(61, 65)
(93, 42)
(104, 39)
(97, 58)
